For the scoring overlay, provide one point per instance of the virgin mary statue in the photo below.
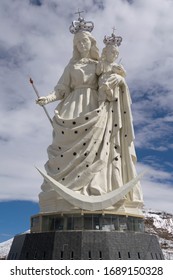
(92, 154)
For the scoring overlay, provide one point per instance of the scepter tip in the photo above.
(31, 81)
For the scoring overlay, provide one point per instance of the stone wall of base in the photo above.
(84, 245)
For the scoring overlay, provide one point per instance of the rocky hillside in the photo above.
(161, 224)
(4, 248)
(156, 222)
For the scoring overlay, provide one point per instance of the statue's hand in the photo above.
(121, 70)
(113, 82)
(42, 101)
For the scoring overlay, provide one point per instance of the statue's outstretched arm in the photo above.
(43, 100)
(61, 90)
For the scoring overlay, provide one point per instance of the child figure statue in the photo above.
(110, 72)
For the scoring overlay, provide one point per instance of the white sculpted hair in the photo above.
(103, 55)
(94, 51)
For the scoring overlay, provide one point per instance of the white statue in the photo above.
(110, 73)
(92, 152)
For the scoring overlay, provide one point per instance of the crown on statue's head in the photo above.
(112, 40)
(81, 25)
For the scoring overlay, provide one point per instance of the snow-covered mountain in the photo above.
(161, 224)
(156, 222)
(5, 248)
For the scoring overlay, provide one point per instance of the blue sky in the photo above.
(35, 41)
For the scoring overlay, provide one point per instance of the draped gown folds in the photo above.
(92, 150)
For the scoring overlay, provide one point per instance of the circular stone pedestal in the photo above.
(95, 236)
(84, 245)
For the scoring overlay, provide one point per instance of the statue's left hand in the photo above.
(121, 70)
(113, 82)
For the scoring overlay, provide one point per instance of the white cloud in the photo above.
(154, 133)
(157, 196)
(157, 187)
(35, 40)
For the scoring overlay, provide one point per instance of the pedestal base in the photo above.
(84, 245)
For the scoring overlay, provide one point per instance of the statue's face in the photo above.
(83, 45)
(111, 53)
